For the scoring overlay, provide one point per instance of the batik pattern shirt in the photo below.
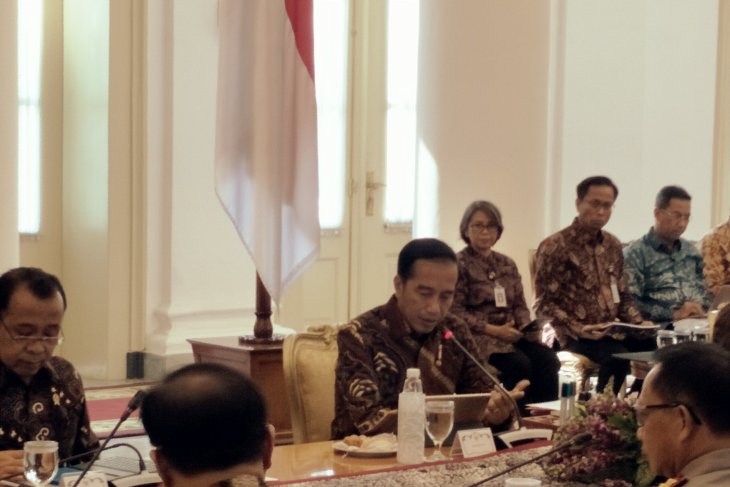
(575, 269)
(716, 254)
(374, 351)
(662, 279)
(475, 301)
(51, 407)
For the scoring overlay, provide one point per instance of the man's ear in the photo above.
(163, 469)
(398, 285)
(689, 426)
(268, 445)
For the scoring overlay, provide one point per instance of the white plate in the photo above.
(355, 451)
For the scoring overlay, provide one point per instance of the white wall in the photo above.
(639, 104)
(9, 246)
(483, 101)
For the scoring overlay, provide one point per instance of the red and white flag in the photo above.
(266, 134)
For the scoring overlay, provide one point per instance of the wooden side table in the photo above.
(261, 362)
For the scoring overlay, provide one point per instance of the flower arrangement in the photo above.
(613, 457)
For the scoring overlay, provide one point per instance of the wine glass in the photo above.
(439, 421)
(40, 461)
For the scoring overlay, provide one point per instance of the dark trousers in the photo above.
(601, 352)
(534, 362)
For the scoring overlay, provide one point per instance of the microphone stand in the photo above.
(574, 441)
(449, 335)
(134, 403)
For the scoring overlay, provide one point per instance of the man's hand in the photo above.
(688, 309)
(499, 407)
(595, 332)
(11, 463)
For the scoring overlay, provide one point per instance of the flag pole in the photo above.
(263, 330)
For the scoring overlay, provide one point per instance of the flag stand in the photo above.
(263, 330)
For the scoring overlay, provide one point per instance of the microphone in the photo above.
(132, 406)
(577, 440)
(449, 335)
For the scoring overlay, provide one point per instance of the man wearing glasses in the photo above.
(684, 425)
(41, 396)
(580, 286)
(665, 270)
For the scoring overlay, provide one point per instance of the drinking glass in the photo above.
(664, 338)
(701, 334)
(40, 461)
(439, 422)
(683, 335)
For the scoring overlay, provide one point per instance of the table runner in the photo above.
(445, 474)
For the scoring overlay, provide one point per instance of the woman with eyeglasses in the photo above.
(490, 298)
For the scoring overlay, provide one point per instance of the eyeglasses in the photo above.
(28, 339)
(675, 215)
(481, 227)
(603, 205)
(641, 413)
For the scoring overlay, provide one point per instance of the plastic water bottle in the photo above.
(567, 387)
(411, 419)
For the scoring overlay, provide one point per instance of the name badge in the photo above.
(614, 291)
(500, 297)
(473, 443)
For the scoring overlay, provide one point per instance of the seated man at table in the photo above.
(41, 396)
(208, 425)
(580, 286)
(663, 269)
(377, 347)
(682, 412)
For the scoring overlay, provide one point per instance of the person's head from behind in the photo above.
(721, 332)
(682, 409)
(207, 423)
(672, 209)
(425, 283)
(32, 305)
(481, 226)
(595, 197)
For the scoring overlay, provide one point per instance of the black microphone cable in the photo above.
(134, 403)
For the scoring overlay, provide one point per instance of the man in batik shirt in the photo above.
(665, 270)
(41, 396)
(376, 348)
(716, 253)
(580, 285)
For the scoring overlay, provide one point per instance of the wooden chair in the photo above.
(309, 360)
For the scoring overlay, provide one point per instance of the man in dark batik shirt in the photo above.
(41, 396)
(580, 285)
(377, 347)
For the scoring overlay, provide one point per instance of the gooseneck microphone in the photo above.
(132, 406)
(577, 440)
(449, 335)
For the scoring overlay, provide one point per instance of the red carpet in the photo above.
(107, 405)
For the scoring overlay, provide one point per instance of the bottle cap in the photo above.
(413, 373)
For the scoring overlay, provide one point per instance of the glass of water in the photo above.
(683, 335)
(439, 422)
(40, 461)
(664, 338)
